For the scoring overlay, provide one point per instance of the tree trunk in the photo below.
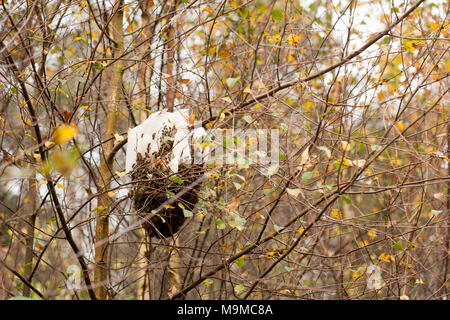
(170, 59)
(102, 225)
(30, 216)
(148, 62)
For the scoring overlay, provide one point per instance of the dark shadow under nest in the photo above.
(154, 183)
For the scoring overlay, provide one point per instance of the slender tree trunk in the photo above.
(444, 290)
(173, 282)
(170, 60)
(147, 63)
(30, 215)
(102, 225)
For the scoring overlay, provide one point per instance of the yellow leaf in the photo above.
(363, 243)
(358, 273)
(120, 174)
(372, 233)
(400, 126)
(395, 160)
(191, 119)
(181, 206)
(308, 105)
(336, 213)
(59, 185)
(168, 206)
(62, 91)
(37, 156)
(118, 137)
(433, 25)
(39, 182)
(257, 106)
(344, 145)
(223, 53)
(209, 10)
(111, 194)
(77, 39)
(419, 281)
(411, 45)
(131, 27)
(276, 37)
(386, 257)
(293, 39)
(64, 133)
(98, 208)
(300, 231)
(227, 99)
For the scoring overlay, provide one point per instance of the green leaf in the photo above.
(244, 13)
(277, 227)
(248, 119)
(375, 147)
(176, 179)
(435, 213)
(187, 213)
(240, 222)
(347, 199)
(293, 192)
(306, 175)
(411, 245)
(232, 81)
(220, 224)
(81, 79)
(277, 14)
(398, 246)
(240, 262)
(307, 126)
(237, 223)
(238, 288)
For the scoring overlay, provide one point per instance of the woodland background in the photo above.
(357, 209)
